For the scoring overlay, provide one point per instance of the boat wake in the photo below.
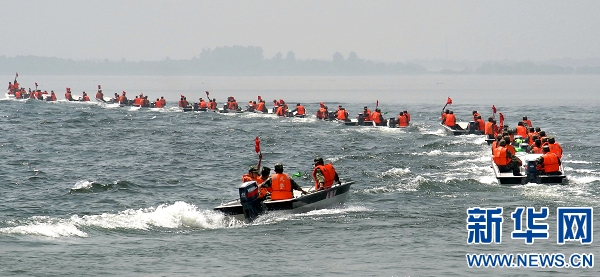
(178, 215)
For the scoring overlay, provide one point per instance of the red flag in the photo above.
(16, 74)
(257, 145)
(501, 122)
(99, 87)
(493, 109)
(449, 101)
(36, 84)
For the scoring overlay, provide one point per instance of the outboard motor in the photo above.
(531, 171)
(361, 119)
(472, 127)
(251, 204)
(392, 122)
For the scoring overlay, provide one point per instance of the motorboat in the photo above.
(528, 172)
(249, 206)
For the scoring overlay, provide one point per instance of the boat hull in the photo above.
(315, 200)
(529, 173)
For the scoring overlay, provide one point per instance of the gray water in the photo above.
(91, 190)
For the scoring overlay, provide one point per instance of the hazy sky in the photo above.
(375, 30)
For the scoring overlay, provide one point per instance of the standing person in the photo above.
(489, 128)
(324, 175)
(282, 185)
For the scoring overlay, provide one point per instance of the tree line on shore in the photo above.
(250, 61)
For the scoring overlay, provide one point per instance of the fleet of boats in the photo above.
(249, 206)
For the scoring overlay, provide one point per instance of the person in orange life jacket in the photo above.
(366, 114)
(480, 124)
(475, 115)
(489, 128)
(280, 110)
(496, 142)
(444, 114)
(123, 98)
(407, 116)
(555, 147)
(505, 160)
(282, 185)
(100, 96)
(342, 114)
(527, 122)
(136, 101)
(521, 130)
(299, 109)
(261, 106)
(324, 175)
(544, 141)
(377, 117)
(450, 120)
(85, 97)
(252, 174)
(52, 96)
(202, 104)
(68, 95)
(322, 112)
(536, 148)
(548, 163)
(163, 102)
(264, 175)
(402, 120)
(158, 104)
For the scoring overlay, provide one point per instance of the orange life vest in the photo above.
(402, 121)
(450, 120)
(279, 111)
(550, 162)
(489, 128)
(522, 131)
(68, 96)
(376, 117)
(163, 102)
(407, 116)
(481, 124)
(53, 97)
(528, 122)
(158, 104)
(282, 187)
(18, 94)
(86, 98)
(232, 105)
(260, 106)
(537, 150)
(122, 99)
(300, 110)
(511, 149)
(328, 173)
(203, 104)
(500, 158)
(341, 115)
(475, 115)
(556, 149)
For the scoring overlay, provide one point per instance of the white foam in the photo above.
(177, 215)
(83, 184)
(396, 172)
